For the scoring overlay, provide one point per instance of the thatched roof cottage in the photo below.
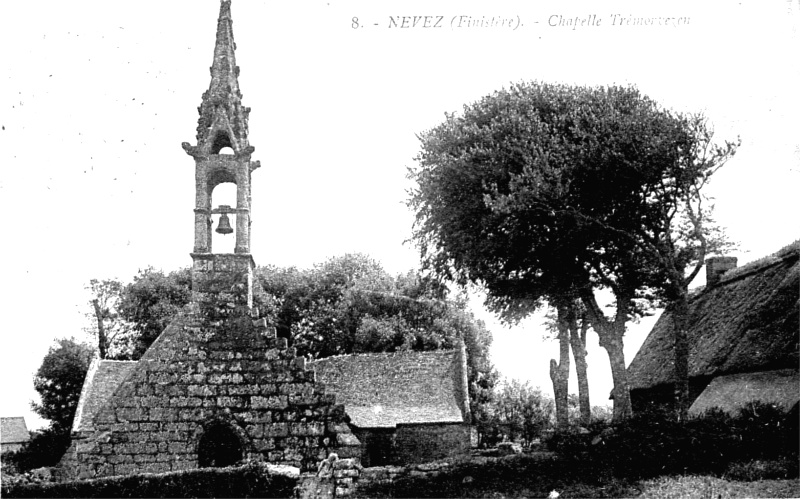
(743, 335)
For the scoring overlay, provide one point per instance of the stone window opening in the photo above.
(219, 446)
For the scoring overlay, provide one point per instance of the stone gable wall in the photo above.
(201, 371)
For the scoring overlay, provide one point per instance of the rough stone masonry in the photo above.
(217, 385)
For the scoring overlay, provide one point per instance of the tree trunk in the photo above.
(680, 321)
(577, 340)
(559, 372)
(612, 342)
(102, 339)
(610, 334)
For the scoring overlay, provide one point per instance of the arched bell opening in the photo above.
(221, 141)
(223, 225)
(219, 446)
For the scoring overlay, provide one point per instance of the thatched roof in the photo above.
(382, 390)
(747, 322)
(102, 379)
(733, 392)
(13, 430)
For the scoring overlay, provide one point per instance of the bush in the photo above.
(654, 444)
(752, 471)
(44, 449)
(766, 431)
(250, 480)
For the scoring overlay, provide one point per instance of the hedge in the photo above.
(249, 480)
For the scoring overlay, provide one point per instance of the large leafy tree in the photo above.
(59, 381)
(545, 192)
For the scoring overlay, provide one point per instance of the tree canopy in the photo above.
(59, 381)
(552, 192)
(151, 301)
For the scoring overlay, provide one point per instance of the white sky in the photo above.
(96, 98)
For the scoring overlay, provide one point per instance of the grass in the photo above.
(530, 476)
(716, 488)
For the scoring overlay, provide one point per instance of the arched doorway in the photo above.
(219, 446)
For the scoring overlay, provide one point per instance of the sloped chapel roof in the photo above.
(102, 379)
(382, 390)
(747, 322)
(13, 430)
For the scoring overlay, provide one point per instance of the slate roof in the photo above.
(747, 322)
(102, 379)
(382, 390)
(13, 430)
(733, 392)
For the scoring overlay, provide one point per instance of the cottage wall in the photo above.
(419, 443)
(662, 398)
(377, 446)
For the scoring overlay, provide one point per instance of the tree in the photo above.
(528, 191)
(571, 326)
(559, 371)
(151, 302)
(105, 321)
(683, 232)
(59, 381)
(578, 327)
(521, 409)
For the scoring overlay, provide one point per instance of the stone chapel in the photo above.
(217, 386)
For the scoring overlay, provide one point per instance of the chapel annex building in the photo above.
(217, 386)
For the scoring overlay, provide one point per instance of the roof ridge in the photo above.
(791, 250)
(787, 252)
(396, 353)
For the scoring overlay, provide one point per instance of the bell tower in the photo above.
(222, 154)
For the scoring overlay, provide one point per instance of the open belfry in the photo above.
(217, 386)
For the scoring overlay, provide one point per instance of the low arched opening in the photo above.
(219, 446)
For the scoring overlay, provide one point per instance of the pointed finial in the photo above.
(223, 119)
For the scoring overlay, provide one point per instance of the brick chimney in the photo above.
(716, 266)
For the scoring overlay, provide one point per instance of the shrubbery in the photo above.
(250, 480)
(44, 449)
(655, 444)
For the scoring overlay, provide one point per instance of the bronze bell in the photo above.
(224, 226)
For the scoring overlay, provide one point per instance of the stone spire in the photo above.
(222, 123)
(223, 118)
